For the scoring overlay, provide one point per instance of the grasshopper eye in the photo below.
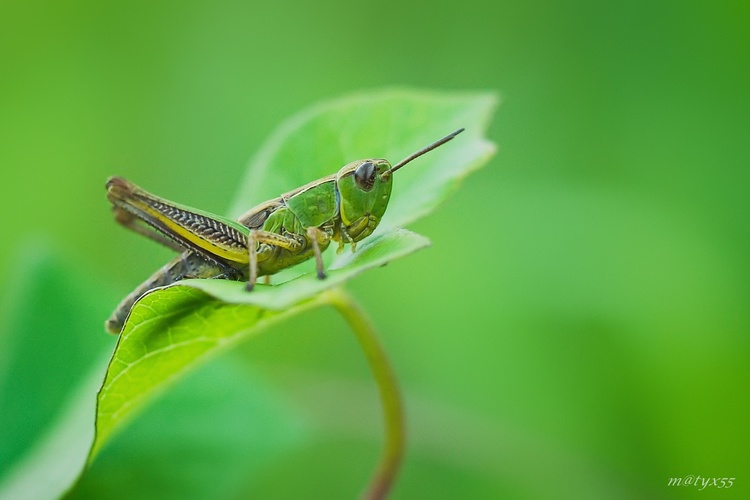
(364, 176)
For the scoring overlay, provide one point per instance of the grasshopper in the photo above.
(345, 207)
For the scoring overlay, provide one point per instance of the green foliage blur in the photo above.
(579, 328)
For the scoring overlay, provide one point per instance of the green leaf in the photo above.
(173, 330)
(169, 333)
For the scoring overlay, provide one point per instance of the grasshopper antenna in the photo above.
(421, 152)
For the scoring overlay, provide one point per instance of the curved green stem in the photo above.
(390, 397)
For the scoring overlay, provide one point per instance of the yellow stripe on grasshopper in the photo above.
(225, 251)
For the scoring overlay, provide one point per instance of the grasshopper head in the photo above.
(364, 192)
(365, 188)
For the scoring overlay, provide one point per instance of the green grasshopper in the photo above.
(345, 207)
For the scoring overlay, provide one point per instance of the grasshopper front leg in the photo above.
(318, 238)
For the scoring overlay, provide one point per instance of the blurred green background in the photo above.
(579, 328)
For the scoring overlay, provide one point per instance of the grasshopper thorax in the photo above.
(363, 195)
